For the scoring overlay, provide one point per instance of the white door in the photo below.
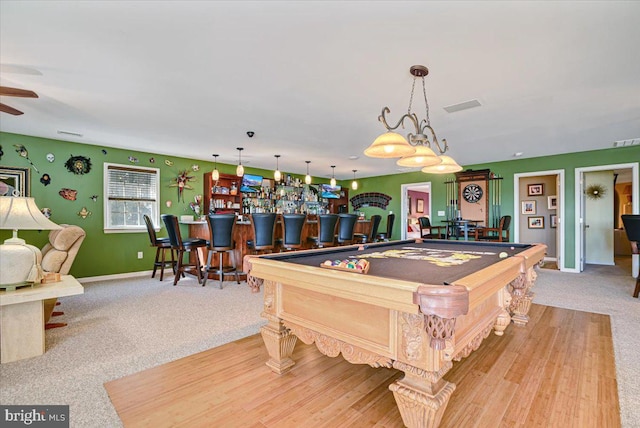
(598, 217)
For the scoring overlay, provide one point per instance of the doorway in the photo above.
(415, 203)
(590, 182)
(539, 209)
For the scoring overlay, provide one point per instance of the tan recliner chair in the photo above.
(58, 256)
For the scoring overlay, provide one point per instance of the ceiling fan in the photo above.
(14, 92)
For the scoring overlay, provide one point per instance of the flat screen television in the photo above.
(330, 192)
(250, 183)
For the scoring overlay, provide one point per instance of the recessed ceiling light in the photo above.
(354, 157)
(517, 154)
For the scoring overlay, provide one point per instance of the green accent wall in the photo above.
(391, 185)
(114, 253)
(111, 253)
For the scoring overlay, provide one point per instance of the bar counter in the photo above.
(243, 232)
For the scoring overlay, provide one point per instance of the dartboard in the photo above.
(472, 193)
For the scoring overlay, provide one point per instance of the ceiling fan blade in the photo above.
(6, 109)
(15, 92)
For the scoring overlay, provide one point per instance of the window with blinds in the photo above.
(130, 193)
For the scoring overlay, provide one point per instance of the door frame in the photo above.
(579, 208)
(560, 230)
(404, 192)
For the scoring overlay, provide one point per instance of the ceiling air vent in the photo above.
(462, 106)
(627, 143)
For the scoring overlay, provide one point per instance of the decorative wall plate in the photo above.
(78, 165)
(596, 191)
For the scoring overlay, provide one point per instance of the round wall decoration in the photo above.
(78, 164)
(596, 191)
(472, 193)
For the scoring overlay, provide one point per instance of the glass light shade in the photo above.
(307, 179)
(22, 213)
(240, 170)
(215, 175)
(423, 156)
(333, 181)
(277, 175)
(447, 166)
(354, 185)
(390, 145)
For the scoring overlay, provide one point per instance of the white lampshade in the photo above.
(22, 213)
(354, 185)
(215, 175)
(240, 170)
(277, 175)
(307, 179)
(390, 145)
(447, 166)
(423, 156)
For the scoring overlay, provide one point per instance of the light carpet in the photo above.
(122, 327)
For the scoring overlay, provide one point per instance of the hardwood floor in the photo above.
(557, 371)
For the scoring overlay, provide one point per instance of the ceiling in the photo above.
(310, 78)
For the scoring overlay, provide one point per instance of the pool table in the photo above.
(420, 306)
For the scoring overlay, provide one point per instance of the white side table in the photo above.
(22, 317)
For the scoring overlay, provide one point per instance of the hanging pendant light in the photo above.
(277, 175)
(215, 174)
(417, 150)
(240, 168)
(447, 166)
(423, 156)
(307, 178)
(333, 176)
(354, 183)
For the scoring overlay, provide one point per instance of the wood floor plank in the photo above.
(559, 370)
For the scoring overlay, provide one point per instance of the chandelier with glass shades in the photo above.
(418, 150)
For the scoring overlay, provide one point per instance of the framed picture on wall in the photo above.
(419, 205)
(13, 179)
(553, 221)
(552, 202)
(535, 189)
(536, 222)
(528, 207)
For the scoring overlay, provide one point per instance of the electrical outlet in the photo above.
(139, 254)
(440, 213)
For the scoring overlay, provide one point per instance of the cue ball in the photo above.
(503, 255)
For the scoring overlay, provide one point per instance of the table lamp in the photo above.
(19, 261)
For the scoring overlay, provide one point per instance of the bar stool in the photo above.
(346, 226)
(263, 227)
(326, 231)
(162, 245)
(182, 247)
(386, 236)
(292, 225)
(371, 237)
(221, 228)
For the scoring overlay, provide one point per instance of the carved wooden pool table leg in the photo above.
(422, 396)
(279, 342)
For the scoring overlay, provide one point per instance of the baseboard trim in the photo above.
(126, 275)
